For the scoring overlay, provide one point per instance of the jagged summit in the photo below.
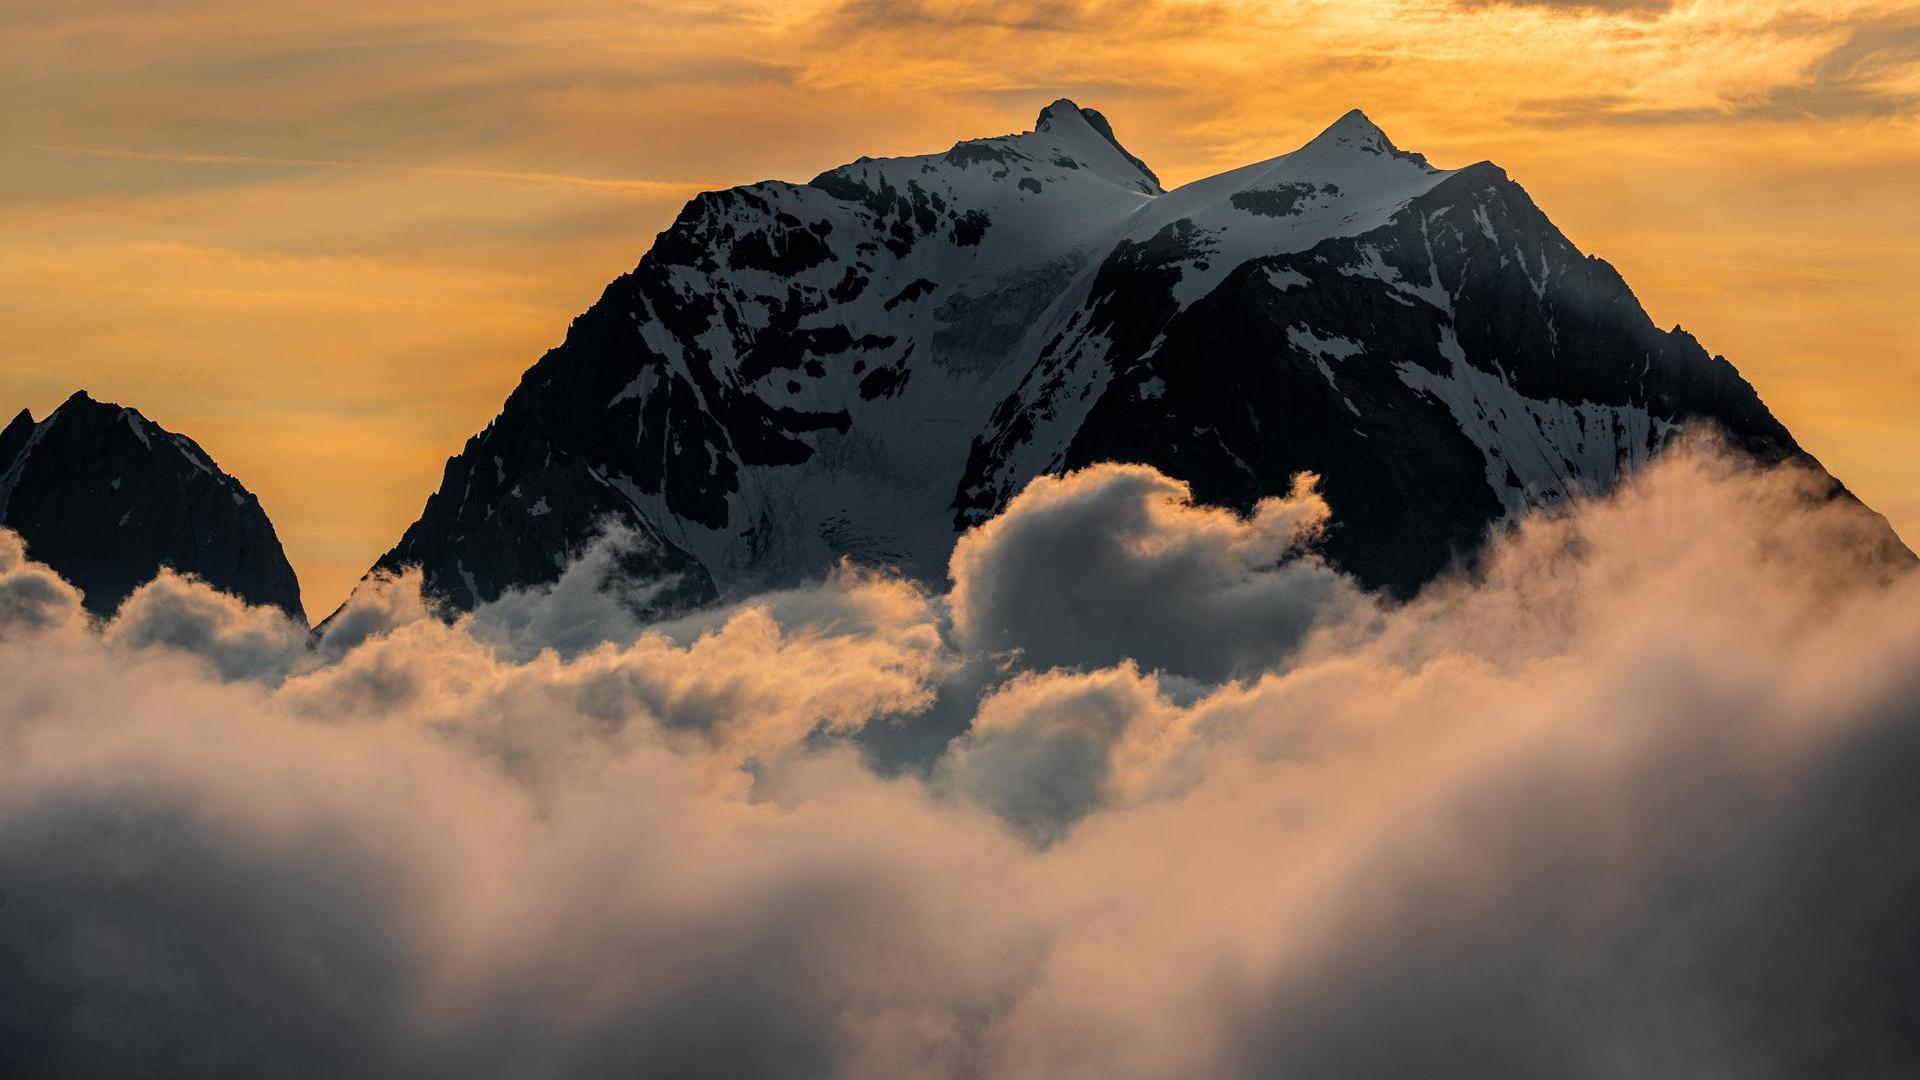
(1064, 112)
(1353, 128)
(864, 365)
(1067, 144)
(1355, 133)
(107, 497)
(1056, 111)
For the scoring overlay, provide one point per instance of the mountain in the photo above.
(869, 363)
(107, 497)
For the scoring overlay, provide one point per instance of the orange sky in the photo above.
(324, 240)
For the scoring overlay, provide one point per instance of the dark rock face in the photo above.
(532, 527)
(106, 498)
(865, 365)
(1242, 399)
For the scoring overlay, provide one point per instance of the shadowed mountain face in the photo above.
(106, 498)
(865, 365)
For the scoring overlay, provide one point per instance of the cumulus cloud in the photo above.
(1118, 561)
(1045, 750)
(726, 687)
(1634, 800)
(178, 613)
(589, 604)
(32, 597)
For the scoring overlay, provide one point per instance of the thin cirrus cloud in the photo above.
(1640, 7)
(591, 183)
(1872, 71)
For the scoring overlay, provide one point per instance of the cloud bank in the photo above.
(1634, 800)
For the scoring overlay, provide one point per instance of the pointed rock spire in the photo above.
(106, 498)
(1063, 115)
(1354, 131)
(13, 437)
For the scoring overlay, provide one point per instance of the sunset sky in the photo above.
(325, 239)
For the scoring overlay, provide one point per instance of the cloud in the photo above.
(1865, 69)
(1045, 750)
(177, 613)
(1053, 16)
(975, 14)
(1874, 72)
(1646, 7)
(1118, 561)
(32, 597)
(591, 603)
(675, 188)
(1634, 800)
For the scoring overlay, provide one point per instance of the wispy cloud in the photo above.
(565, 180)
(1865, 69)
(1184, 17)
(1638, 7)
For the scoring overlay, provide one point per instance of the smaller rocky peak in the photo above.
(1060, 111)
(14, 436)
(1068, 120)
(107, 498)
(1354, 132)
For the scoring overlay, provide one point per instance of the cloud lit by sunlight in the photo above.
(1635, 799)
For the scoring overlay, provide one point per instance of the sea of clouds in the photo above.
(1151, 791)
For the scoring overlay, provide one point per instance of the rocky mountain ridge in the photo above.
(107, 497)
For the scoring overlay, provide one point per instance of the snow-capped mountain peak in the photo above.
(1347, 180)
(1072, 125)
(865, 364)
(1353, 130)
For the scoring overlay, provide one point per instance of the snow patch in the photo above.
(1286, 279)
(1538, 452)
(11, 478)
(466, 576)
(198, 462)
(1327, 348)
(1324, 349)
(139, 429)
